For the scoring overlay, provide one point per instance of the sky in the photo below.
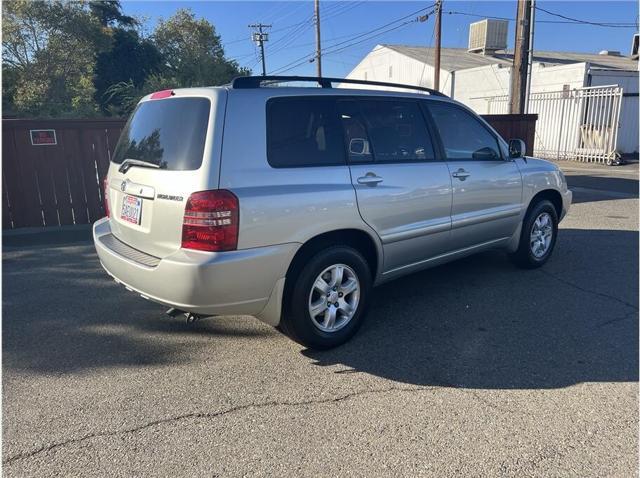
(346, 26)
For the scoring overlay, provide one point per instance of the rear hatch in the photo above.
(169, 148)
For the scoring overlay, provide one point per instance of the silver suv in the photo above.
(291, 203)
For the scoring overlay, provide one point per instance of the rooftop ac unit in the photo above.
(488, 35)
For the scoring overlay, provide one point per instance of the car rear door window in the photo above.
(463, 136)
(355, 132)
(397, 130)
(303, 131)
(385, 131)
(169, 132)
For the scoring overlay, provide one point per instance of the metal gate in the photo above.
(580, 124)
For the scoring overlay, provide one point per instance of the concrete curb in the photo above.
(38, 236)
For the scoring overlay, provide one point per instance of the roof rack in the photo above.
(243, 82)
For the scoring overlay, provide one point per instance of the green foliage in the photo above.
(85, 58)
(37, 40)
(130, 59)
(109, 13)
(193, 52)
(191, 55)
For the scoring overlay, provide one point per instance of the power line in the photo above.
(570, 21)
(334, 10)
(369, 38)
(329, 49)
(288, 40)
(384, 26)
(347, 6)
(299, 28)
(586, 22)
(292, 11)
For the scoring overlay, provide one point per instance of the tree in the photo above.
(130, 59)
(49, 52)
(84, 58)
(191, 55)
(109, 14)
(192, 52)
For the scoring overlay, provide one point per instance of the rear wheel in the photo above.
(327, 302)
(538, 237)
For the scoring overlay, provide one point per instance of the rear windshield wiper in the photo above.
(128, 163)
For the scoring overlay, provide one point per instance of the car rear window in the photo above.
(303, 131)
(169, 132)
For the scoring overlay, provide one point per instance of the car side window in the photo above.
(303, 131)
(385, 131)
(356, 137)
(463, 136)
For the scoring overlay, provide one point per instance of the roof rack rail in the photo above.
(243, 82)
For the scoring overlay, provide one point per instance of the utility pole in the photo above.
(438, 30)
(530, 59)
(260, 37)
(318, 47)
(520, 58)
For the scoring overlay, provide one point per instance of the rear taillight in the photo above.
(211, 221)
(105, 196)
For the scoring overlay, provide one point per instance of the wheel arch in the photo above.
(360, 240)
(551, 195)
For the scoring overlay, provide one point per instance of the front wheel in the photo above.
(327, 302)
(538, 237)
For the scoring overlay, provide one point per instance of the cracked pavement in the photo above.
(474, 368)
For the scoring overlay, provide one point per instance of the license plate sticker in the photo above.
(131, 209)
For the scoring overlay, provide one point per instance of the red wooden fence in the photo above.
(57, 185)
(515, 127)
(54, 185)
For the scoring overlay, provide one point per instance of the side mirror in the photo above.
(358, 147)
(517, 148)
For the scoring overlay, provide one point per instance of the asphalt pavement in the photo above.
(474, 368)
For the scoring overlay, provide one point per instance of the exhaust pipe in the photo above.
(190, 317)
(174, 312)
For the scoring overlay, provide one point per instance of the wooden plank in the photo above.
(42, 162)
(87, 165)
(26, 207)
(58, 162)
(11, 193)
(102, 153)
(74, 154)
(7, 223)
(113, 135)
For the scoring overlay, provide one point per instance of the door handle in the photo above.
(370, 179)
(461, 174)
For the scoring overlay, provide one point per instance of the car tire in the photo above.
(320, 312)
(538, 236)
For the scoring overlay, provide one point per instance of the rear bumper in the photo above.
(208, 283)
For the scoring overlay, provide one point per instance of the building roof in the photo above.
(452, 59)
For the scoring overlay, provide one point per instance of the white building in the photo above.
(482, 81)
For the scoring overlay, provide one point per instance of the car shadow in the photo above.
(482, 323)
(593, 188)
(63, 314)
(479, 322)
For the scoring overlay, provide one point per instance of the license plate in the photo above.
(131, 209)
